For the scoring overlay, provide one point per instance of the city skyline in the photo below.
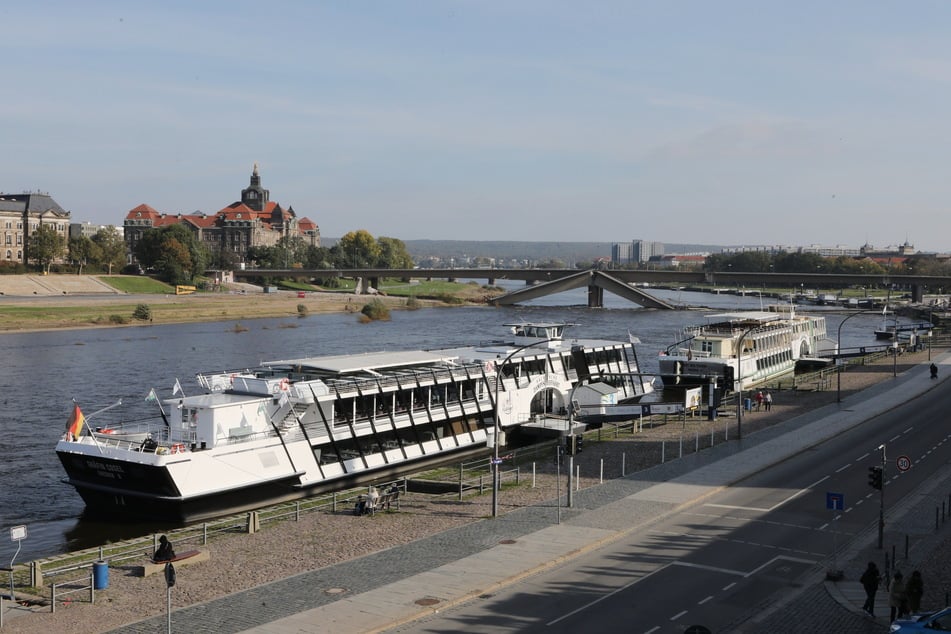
(732, 123)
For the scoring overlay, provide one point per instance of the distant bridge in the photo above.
(618, 281)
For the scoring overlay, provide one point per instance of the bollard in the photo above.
(533, 475)
(680, 453)
(623, 464)
(36, 574)
(601, 476)
(663, 447)
(92, 587)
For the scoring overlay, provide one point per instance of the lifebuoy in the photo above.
(178, 448)
(285, 385)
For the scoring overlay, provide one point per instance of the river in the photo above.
(45, 371)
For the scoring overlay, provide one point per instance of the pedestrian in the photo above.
(870, 580)
(759, 400)
(164, 552)
(914, 589)
(896, 597)
(768, 400)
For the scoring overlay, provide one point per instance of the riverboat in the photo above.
(291, 428)
(742, 349)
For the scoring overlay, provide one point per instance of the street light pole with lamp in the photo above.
(838, 350)
(739, 381)
(495, 410)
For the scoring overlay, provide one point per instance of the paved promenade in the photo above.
(380, 591)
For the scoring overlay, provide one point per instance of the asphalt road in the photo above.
(715, 563)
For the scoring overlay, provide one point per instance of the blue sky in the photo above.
(684, 122)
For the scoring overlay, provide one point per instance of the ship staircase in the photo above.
(596, 281)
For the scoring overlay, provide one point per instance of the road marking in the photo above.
(727, 571)
(678, 615)
(789, 498)
(841, 469)
(710, 598)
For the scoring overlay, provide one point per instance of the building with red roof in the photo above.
(253, 221)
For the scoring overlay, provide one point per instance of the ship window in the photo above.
(706, 346)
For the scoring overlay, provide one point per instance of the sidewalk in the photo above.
(382, 590)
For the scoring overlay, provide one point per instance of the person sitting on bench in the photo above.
(165, 551)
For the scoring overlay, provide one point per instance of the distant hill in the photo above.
(569, 252)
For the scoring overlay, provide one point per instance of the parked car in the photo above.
(925, 621)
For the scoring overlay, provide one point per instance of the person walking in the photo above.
(896, 597)
(870, 580)
(914, 590)
(759, 400)
(768, 401)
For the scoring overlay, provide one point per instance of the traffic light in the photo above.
(579, 443)
(875, 477)
(729, 377)
(571, 445)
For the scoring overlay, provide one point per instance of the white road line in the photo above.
(710, 598)
(678, 615)
(843, 468)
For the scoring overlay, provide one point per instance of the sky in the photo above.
(728, 122)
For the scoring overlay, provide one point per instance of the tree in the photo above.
(46, 245)
(356, 249)
(174, 251)
(82, 251)
(112, 253)
(393, 254)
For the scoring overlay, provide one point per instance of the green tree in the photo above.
(393, 254)
(46, 245)
(356, 249)
(112, 253)
(83, 251)
(174, 251)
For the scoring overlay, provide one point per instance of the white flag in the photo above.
(632, 338)
(283, 400)
(177, 388)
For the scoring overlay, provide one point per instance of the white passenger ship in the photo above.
(743, 349)
(287, 429)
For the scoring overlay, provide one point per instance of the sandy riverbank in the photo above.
(243, 561)
(26, 314)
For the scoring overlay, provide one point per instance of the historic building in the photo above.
(20, 216)
(252, 221)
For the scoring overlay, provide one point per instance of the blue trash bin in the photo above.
(100, 575)
(748, 404)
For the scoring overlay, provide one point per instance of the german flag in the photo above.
(76, 421)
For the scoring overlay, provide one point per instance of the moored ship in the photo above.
(741, 349)
(286, 429)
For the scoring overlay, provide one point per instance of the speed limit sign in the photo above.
(903, 463)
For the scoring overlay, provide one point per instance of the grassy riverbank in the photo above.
(23, 314)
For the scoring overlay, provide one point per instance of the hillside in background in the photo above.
(568, 252)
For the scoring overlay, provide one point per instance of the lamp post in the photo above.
(495, 415)
(739, 383)
(838, 350)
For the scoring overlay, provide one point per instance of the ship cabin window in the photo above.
(535, 366)
(706, 346)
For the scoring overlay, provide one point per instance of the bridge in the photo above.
(618, 281)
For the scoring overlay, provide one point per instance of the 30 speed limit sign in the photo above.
(903, 463)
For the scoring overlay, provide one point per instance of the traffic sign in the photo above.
(835, 501)
(903, 463)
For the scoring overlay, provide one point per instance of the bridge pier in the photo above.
(917, 293)
(595, 297)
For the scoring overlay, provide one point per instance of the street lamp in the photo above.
(838, 350)
(495, 415)
(739, 382)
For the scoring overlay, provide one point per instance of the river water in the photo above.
(44, 371)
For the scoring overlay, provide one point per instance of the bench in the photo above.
(185, 558)
(384, 502)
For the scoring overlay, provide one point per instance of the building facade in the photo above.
(253, 221)
(20, 216)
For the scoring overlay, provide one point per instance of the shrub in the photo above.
(118, 319)
(142, 312)
(376, 310)
(302, 310)
(412, 303)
